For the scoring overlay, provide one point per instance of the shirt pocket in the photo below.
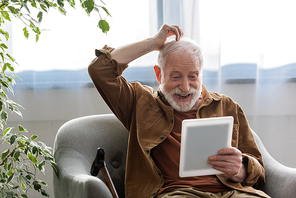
(147, 112)
(234, 141)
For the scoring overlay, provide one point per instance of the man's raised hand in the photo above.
(165, 32)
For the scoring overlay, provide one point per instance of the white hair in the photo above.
(183, 46)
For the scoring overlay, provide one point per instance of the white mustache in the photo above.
(181, 93)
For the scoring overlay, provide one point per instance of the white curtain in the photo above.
(249, 49)
(244, 43)
(67, 43)
(250, 55)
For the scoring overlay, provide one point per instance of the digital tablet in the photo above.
(201, 138)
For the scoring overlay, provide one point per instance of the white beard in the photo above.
(181, 106)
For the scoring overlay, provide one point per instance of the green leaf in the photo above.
(18, 112)
(10, 178)
(4, 67)
(25, 6)
(41, 167)
(107, 12)
(33, 137)
(7, 131)
(60, 3)
(3, 46)
(7, 65)
(88, 5)
(72, 3)
(2, 56)
(33, 4)
(34, 150)
(54, 168)
(43, 183)
(28, 177)
(4, 154)
(37, 186)
(5, 15)
(22, 129)
(10, 57)
(24, 196)
(32, 158)
(11, 68)
(40, 16)
(104, 26)
(26, 33)
(12, 139)
(16, 155)
(4, 116)
(43, 7)
(5, 33)
(62, 10)
(4, 83)
(44, 193)
(37, 37)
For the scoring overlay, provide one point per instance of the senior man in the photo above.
(153, 120)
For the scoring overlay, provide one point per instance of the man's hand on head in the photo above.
(165, 32)
(229, 161)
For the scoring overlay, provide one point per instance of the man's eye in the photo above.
(192, 77)
(175, 77)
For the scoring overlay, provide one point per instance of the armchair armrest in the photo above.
(280, 179)
(76, 181)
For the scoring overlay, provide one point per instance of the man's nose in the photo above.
(185, 86)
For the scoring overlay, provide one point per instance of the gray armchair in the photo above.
(76, 145)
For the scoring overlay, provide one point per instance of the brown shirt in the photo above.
(167, 157)
(150, 119)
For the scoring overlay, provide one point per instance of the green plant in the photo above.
(22, 156)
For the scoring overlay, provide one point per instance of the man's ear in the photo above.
(158, 73)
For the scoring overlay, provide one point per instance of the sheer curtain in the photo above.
(250, 55)
(249, 50)
(67, 43)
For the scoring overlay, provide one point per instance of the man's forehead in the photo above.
(172, 70)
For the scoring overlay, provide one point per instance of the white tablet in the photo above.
(200, 139)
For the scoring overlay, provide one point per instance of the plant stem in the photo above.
(12, 152)
(3, 4)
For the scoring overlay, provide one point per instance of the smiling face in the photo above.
(181, 81)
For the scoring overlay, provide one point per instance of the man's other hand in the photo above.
(229, 161)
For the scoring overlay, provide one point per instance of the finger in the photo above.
(230, 151)
(228, 171)
(174, 30)
(226, 158)
(180, 32)
(230, 168)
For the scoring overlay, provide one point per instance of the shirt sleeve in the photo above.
(252, 157)
(105, 73)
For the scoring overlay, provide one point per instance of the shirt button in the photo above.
(171, 121)
(147, 150)
(153, 194)
(161, 137)
(151, 105)
(159, 174)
